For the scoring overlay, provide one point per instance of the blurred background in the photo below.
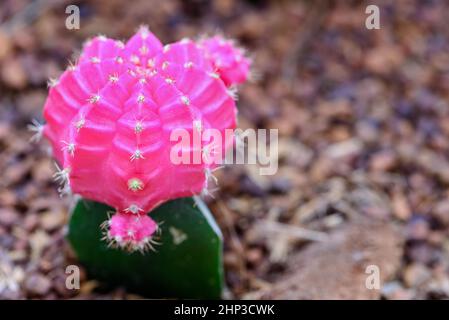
(363, 125)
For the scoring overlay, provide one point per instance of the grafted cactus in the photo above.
(110, 116)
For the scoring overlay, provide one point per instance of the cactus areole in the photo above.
(109, 118)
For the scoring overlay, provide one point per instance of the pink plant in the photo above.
(226, 59)
(109, 119)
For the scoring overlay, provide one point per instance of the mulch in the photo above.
(363, 124)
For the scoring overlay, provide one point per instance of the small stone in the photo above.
(7, 198)
(400, 206)
(59, 283)
(416, 275)
(395, 291)
(6, 241)
(280, 186)
(37, 284)
(423, 252)
(18, 255)
(441, 211)
(42, 171)
(52, 220)
(383, 161)
(418, 229)
(251, 187)
(13, 74)
(16, 172)
(231, 260)
(254, 256)
(8, 217)
(384, 59)
(5, 45)
(39, 240)
(30, 221)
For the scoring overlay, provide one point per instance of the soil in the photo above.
(363, 120)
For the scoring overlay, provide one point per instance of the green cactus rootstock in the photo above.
(188, 262)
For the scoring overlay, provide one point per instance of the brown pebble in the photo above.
(37, 284)
(441, 211)
(231, 260)
(400, 206)
(254, 256)
(383, 161)
(416, 274)
(59, 283)
(30, 222)
(418, 229)
(52, 219)
(7, 198)
(8, 217)
(16, 172)
(5, 45)
(43, 171)
(13, 74)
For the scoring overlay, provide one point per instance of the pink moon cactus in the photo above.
(109, 119)
(227, 60)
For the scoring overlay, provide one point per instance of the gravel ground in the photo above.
(363, 123)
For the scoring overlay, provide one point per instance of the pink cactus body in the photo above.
(228, 60)
(109, 120)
